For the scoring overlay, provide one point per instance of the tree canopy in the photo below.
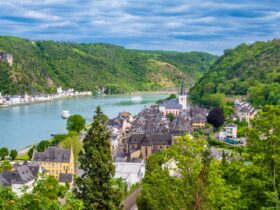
(93, 66)
(216, 117)
(76, 123)
(248, 70)
(94, 187)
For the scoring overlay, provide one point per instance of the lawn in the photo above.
(22, 157)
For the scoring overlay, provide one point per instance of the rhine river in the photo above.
(24, 125)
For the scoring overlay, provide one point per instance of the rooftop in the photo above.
(65, 177)
(150, 139)
(20, 175)
(171, 104)
(53, 154)
(124, 169)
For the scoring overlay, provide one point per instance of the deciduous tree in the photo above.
(216, 117)
(3, 152)
(13, 154)
(76, 123)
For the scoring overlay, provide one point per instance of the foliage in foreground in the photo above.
(206, 183)
(95, 187)
(198, 182)
(44, 197)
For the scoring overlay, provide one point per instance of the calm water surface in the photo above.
(21, 126)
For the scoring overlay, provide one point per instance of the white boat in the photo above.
(136, 99)
(65, 114)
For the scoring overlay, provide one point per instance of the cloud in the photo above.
(182, 25)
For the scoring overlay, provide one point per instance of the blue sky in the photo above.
(180, 25)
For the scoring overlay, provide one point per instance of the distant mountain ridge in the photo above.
(250, 70)
(41, 66)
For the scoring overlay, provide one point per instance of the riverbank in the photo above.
(43, 101)
(28, 125)
(175, 91)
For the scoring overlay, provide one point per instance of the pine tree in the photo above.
(95, 186)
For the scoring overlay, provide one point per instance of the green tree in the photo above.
(264, 152)
(196, 183)
(95, 187)
(43, 145)
(171, 117)
(216, 117)
(72, 203)
(3, 153)
(13, 154)
(72, 142)
(76, 123)
(58, 138)
(44, 195)
(5, 166)
(30, 152)
(7, 198)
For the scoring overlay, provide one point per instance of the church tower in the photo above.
(183, 97)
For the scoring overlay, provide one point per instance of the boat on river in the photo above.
(136, 99)
(65, 114)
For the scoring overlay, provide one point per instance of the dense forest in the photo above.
(41, 66)
(248, 70)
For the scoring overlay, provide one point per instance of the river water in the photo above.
(24, 125)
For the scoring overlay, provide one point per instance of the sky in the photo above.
(177, 25)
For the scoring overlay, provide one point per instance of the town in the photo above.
(133, 140)
(8, 100)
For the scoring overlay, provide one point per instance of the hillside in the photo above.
(41, 66)
(251, 70)
(193, 63)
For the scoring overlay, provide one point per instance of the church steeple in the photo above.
(183, 89)
(183, 97)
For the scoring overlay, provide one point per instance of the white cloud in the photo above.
(207, 25)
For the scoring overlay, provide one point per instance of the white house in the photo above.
(229, 131)
(15, 100)
(22, 178)
(59, 90)
(244, 111)
(129, 172)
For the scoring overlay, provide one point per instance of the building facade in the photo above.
(175, 106)
(244, 111)
(22, 178)
(130, 173)
(229, 131)
(144, 145)
(55, 160)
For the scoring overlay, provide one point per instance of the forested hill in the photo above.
(41, 66)
(251, 70)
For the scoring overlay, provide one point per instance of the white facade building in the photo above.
(22, 178)
(59, 90)
(229, 131)
(131, 173)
